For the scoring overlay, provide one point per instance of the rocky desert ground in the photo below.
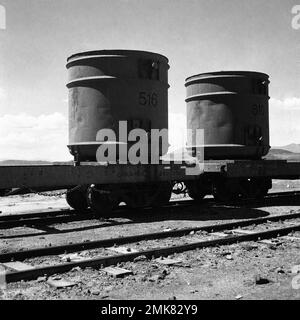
(247, 270)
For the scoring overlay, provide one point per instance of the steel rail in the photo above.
(30, 219)
(36, 214)
(152, 253)
(55, 250)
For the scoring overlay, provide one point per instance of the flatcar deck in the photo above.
(64, 175)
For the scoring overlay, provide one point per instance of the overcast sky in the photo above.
(196, 35)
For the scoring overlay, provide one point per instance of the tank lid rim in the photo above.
(231, 72)
(114, 51)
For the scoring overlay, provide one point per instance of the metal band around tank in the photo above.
(221, 93)
(80, 59)
(87, 80)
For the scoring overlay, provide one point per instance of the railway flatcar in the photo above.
(118, 136)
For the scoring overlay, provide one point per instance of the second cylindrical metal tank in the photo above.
(109, 86)
(232, 108)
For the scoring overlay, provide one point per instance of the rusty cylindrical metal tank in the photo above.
(233, 109)
(109, 86)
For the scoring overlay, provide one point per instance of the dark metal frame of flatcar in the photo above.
(60, 176)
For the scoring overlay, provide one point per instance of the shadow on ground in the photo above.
(185, 210)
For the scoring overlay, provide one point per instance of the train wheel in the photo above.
(195, 190)
(197, 196)
(100, 201)
(3, 192)
(139, 196)
(147, 195)
(163, 195)
(226, 190)
(256, 188)
(76, 199)
(260, 187)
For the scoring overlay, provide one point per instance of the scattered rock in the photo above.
(71, 257)
(168, 261)
(163, 274)
(260, 280)
(41, 279)
(295, 269)
(122, 249)
(76, 269)
(248, 283)
(95, 292)
(154, 278)
(202, 232)
(225, 253)
(160, 276)
(60, 283)
(272, 247)
(117, 272)
(248, 247)
(279, 270)
(140, 258)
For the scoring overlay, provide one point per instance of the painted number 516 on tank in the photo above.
(148, 99)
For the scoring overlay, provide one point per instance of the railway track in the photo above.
(64, 216)
(232, 234)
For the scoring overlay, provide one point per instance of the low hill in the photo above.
(293, 147)
(281, 154)
(24, 162)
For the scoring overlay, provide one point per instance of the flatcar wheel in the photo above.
(99, 201)
(76, 199)
(256, 188)
(138, 198)
(197, 196)
(226, 191)
(163, 195)
(3, 192)
(148, 195)
(195, 191)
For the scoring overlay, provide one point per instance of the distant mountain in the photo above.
(293, 147)
(281, 154)
(24, 162)
(280, 151)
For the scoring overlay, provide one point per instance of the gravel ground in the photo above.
(240, 271)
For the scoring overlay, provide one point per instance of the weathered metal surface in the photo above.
(232, 108)
(109, 86)
(265, 168)
(62, 176)
(51, 176)
(68, 175)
